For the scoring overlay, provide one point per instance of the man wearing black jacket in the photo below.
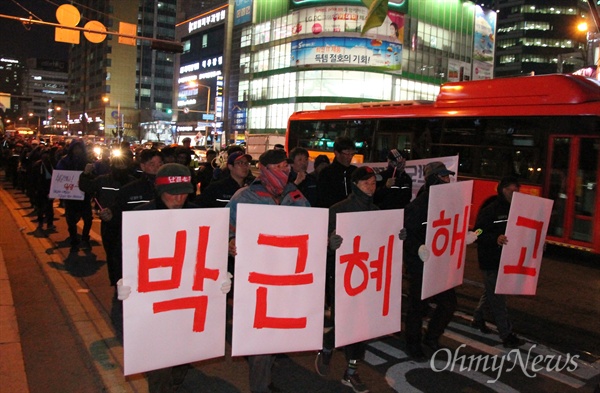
(334, 182)
(491, 222)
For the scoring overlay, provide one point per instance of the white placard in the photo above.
(175, 262)
(65, 185)
(521, 258)
(368, 278)
(447, 226)
(279, 284)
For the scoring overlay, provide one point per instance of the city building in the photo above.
(45, 85)
(198, 87)
(304, 55)
(541, 36)
(119, 90)
(11, 79)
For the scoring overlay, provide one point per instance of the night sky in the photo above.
(38, 41)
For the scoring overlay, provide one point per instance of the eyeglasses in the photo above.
(242, 163)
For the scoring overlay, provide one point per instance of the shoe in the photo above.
(512, 341)
(354, 382)
(481, 326)
(432, 343)
(416, 353)
(322, 363)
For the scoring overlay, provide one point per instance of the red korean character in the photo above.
(197, 303)
(261, 319)
(146, 264)
(520, 267)
(458, 235)
(357, 259)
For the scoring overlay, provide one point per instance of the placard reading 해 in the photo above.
(521, 258)
(368, 275)
(447, 226)
(175, 262)
(279, 280)
(65, 185)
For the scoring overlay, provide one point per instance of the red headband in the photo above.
(161, 181)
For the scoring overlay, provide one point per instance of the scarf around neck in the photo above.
(273, 180)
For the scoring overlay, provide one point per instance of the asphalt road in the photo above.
(65, 310)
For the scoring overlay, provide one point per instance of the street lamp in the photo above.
(39, 119)
(196, 84)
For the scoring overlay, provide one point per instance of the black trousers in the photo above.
(75, 211)
(111, 241)
(417, 310)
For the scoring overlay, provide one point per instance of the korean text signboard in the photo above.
(279, 279)
(65, 185)
(368, 278)
(447, 227)
(521, 258)
(174, 261)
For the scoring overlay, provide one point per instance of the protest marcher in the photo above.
(76, 160)
(219, 192)
(270, 188)
(361, 199)
(104, 189)
(172, 189)
(205, 170)
(306, 183)
(321, 162)
(394, 190)
(131, 195)
(491, 222)
(43, 169)
(334, 183)
(415, 253)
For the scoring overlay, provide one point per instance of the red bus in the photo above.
(543, 129)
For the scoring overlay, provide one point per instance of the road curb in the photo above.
(95, 333)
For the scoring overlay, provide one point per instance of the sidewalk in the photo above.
(12, 369)
(63, 342)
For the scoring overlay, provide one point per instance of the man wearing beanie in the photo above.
(172, 185)
(491, 221)
(360, 199)
(270, 188)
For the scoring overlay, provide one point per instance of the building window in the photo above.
(204, 40)
(246, 39)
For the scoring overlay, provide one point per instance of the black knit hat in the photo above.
(507, 181)
(174, 179)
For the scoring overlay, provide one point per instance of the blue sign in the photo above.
(243, 12)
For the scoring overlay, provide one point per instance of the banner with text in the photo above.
(521, 258)
(174, 261)
(368, 275)
(447, 226)
(279, 285)
(65, 185)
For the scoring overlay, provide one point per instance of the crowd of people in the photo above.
(148, 179)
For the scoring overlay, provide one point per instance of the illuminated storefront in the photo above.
(305, 54)
(198, 96)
